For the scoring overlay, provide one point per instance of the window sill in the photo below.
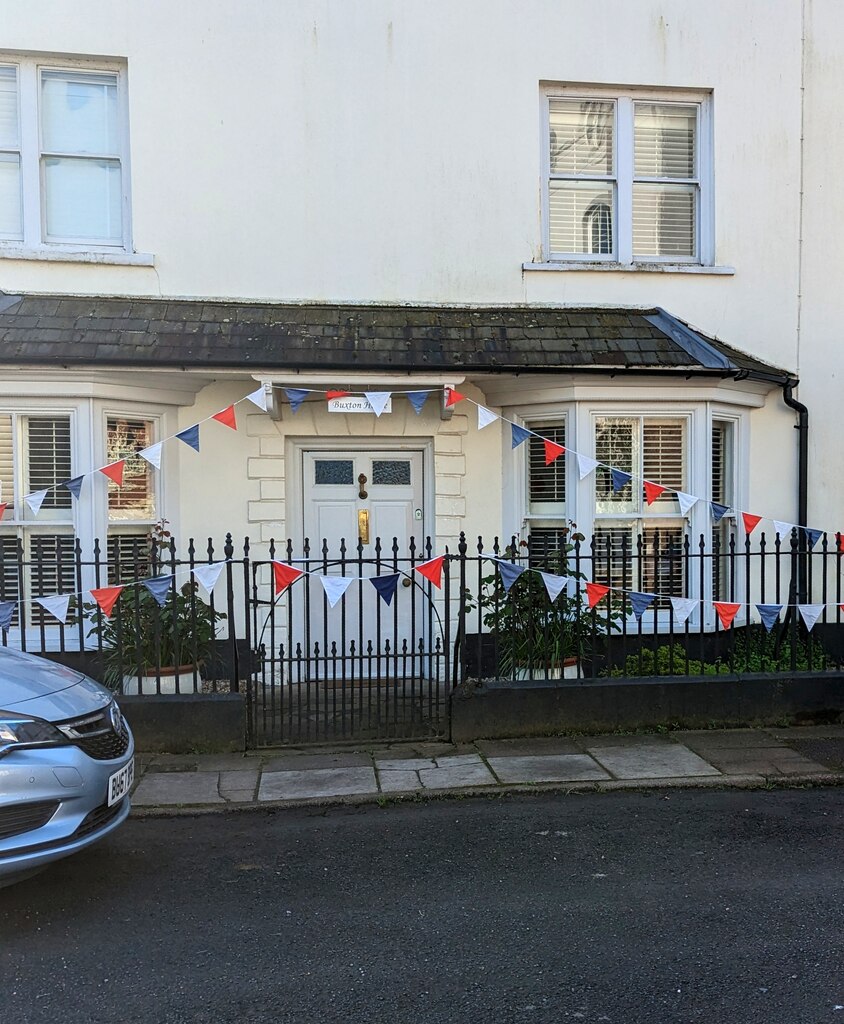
(50, 255)
(652, 268)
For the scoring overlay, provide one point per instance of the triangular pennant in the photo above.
(682, 607)
(226, 417)
(7, 613)
(35, 501)
(652, 491)
(839, 542)
(620, 479)
(783, 529)
(432, 570)
(386, 586)
(750, 522)
(485, 417)
(552, 451)
(812, 535)
(114, 471)
(284, 575)
(3, 506)
(106, 598)
(810, 613)
(510, 572)
(585, 465)
(554, 584)
(595, 592)
(378, 400)
(452, 397)
(295, 396)
(259, 398)
(686, 502)
(335, 394)
(56, 605)
(159, 587)
(335, 587)
(208, 574)
(417, 399)
(640, 603)
(518, 435)
(726, 612)
(718, 511)
(769, 613)
(190, 436)
(74, 486)
(152, 455)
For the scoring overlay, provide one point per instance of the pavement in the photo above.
(379, 773)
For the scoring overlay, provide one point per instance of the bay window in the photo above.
(132, 507)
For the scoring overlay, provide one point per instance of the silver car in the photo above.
(66, 763)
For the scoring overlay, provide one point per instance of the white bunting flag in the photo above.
(683, 608)
(585, 465)
(208, 574)
(56, 605)
(259, 398)
(378, 400)
(152, 455)
(555, 585)
(35, 501)
(784, 530)
(810, 613)
(686, 502)
(335, 587)
(485, 417)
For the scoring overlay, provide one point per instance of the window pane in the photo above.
(665, 140)
(9, 579)
(616, 445)
(124, 439)
(83, 199)
(7, 474)
(663, 564)
(663, 456)
(79, 113)
(52, 570)
(128, 557)
(48, 459)
(9, 133)
(390, 471)
(615, 550)
(581, 137)
(664, 220)
(581, 216)
(546, 483)
(334, 471)
(11, 222)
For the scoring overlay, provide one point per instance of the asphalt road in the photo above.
(657, 907)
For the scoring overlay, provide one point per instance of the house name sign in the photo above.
(355, 403)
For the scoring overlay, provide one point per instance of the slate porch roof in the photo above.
(127, 332)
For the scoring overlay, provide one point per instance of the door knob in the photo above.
(362, 491)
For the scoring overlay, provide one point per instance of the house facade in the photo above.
(615, 225)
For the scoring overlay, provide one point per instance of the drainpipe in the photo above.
(802, 427)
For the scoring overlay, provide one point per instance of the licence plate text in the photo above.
(120, 783)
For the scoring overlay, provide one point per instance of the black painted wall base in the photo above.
(186, 723)
(504, 709)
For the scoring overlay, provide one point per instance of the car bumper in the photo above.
(70, 787)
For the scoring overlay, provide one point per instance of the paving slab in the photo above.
(548, 768)
(316, 782)
(628, 740)
(719, 739)
(456, 776)
(225, 763)
(826, 751)
(235, 784)
(761, 761)
(399, 781)
(177, 788)
(405, 764)
(651, 761)
(529, 747)
(306, 762)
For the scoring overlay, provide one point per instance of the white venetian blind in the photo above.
(546, 484)
(11, 224)
(663, 455)
(581, 137)
(616, 445)
(48, 458)
(665, 140)
(135, 499)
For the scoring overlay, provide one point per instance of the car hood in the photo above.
(47, 690)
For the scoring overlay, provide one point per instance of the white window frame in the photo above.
(33, 192)
(623, 176)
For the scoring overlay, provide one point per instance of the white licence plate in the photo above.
(120, 783)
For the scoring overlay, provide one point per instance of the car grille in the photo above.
(19, 818)
(95, 735)
(98, 819)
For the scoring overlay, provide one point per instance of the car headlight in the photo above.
(18, 731)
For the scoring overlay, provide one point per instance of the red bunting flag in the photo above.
(284, 575)
(553, 452)
(750, 522)
(726, 612)
(652, 491)
(114, 471)
(839, 537)
(226, 417)
(3, 506)
(335, 394)
(452, 397)
(432, 570)
(106, 598)
(596, 592)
